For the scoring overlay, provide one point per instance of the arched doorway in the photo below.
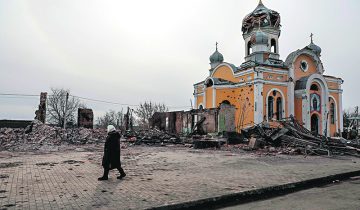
(315, 124)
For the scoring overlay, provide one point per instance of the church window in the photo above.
(270, 107)
(304, 65)
(201, 107)
(279, 109)
(274, 92)
(332, 113)
(273, 46)
(249, 48)
(314, 87)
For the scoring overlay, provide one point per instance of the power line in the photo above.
(102, 101)
(17, 95)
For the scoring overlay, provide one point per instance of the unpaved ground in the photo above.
(342, 195)
(156, 176)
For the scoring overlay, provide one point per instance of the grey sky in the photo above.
(131, 51)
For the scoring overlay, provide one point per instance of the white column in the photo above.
(341, 113)
(258, 98)
(306, 110)
(291, 94)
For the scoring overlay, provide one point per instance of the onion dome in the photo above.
(259, 37)
(216, 57)
(260, 16)
(313, 47)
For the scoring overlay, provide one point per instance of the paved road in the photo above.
(156, 176)
(342, 195)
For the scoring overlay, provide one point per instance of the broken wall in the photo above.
(85, 118)
(40, 114)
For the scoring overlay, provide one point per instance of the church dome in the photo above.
(259, 37)
(261, 15)
(216, 57)
(316, 49)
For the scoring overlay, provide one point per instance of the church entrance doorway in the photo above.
(315, 124)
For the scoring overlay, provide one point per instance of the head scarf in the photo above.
(110, 128)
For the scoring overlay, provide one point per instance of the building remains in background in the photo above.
(40, 114)
(85, 118)
(199, 121)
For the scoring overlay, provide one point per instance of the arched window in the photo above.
(332, 113)
(314, 87)
(226, 102)
(279, 109)
(273, 46)
(249, 48)
(201, 107)
(270, 103)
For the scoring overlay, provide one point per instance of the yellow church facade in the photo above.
(266, 89)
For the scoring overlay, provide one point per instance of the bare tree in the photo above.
(56, 107)
(146, 110)
(111, 118)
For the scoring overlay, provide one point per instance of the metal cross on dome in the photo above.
(311, 36)
(216, 45)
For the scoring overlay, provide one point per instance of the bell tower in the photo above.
(261, 32)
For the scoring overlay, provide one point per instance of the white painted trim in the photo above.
(252, 82)
(258, 103)
(324, 100)
(274, 71)
(291, 94)
(283, 102)
(195, 101)
(335, 90)
(341, 113)
(328, 79)
(199, 94)
(242, 73)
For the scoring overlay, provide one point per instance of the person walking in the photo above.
(111, 158)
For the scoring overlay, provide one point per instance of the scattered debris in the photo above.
(290, 137)
(38, 135)
(9, 165)
(151, 136)
(72, 161)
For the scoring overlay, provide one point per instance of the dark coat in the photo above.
(111, 158)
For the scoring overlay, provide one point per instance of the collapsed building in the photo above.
(199, 121)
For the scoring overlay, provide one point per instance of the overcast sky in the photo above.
(136, 50)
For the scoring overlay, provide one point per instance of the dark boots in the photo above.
(106, 174)
(122, 173)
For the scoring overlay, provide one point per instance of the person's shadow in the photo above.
(104, 193)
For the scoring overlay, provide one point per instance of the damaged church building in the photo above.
(265, 88)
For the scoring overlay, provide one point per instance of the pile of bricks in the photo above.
(38, 135)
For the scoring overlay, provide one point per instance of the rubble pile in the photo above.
(292, 138)
(38, 135)
(152, 136)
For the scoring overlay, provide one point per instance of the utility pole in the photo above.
(66, 103)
